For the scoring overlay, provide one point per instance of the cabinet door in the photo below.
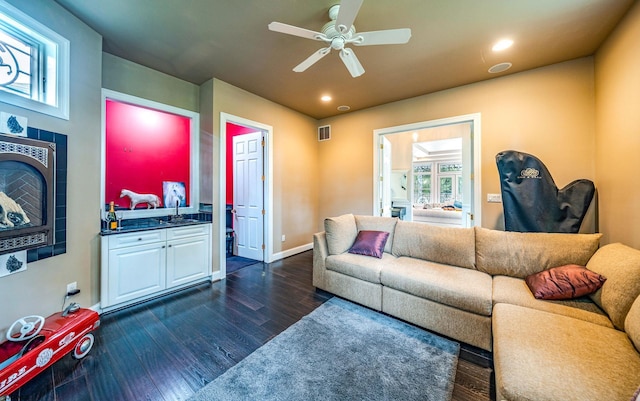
(187, 260)
(136, 271)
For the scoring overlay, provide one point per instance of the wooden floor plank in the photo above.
(166, 349)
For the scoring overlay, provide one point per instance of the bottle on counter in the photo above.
(112, 220)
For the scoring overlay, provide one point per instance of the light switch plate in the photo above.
(494, 198)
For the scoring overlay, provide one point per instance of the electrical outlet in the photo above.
(494, 198)
(72, 286)
(283, 237)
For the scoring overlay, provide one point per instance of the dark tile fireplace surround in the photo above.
(34, 174)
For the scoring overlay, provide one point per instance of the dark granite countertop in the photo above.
(156, 223)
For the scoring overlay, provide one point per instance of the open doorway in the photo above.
(245, 197)
(426, 171)
(245, 190)
(437, 192)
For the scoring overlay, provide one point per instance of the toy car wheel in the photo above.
(83, 346)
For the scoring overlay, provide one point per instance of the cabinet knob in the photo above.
(163, 246)
(139, 239)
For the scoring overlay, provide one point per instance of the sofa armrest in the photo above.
(320, 254)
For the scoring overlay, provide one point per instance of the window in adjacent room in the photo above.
(450, 176)
(422, 183)
(34, 64)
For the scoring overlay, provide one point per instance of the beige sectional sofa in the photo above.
(468, 284)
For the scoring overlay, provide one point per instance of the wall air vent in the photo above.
(324, 133)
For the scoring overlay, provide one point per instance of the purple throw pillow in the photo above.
(370, 243)
(564, 282)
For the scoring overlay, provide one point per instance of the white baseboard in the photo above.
(292, 251)
(96, 308)
(216, 276)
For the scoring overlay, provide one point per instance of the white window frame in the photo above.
(33, 28)
(430, 174)
(454, 175)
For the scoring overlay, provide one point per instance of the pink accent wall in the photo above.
(144, 147)
(233, 130)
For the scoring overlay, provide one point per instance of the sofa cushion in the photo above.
(542, 356)
(514, 291)
(564, 282)
(458, 287)
(358, 266)
(369, 243)
(519, 255)
(632, 323)
(377, 223)
(620, 264)
(447, 245)
(340, 231)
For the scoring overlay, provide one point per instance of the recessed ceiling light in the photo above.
(502, 44)
(499, 68)
(343, 108)
(326, 98)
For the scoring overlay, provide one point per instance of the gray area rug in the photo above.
(342, 351)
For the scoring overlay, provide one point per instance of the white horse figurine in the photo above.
(149, 199)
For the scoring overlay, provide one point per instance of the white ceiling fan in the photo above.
(340, 32)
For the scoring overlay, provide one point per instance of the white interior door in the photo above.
(248, 195)
(385, 178)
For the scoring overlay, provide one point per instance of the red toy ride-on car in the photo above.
(35, 343)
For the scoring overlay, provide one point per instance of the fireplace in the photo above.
(27, 193)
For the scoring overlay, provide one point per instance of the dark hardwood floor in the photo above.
(170, 347)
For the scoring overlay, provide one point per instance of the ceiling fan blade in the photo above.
(351, 62)
(386, 37)
(311, 60)
(295, 31)
(347, 14)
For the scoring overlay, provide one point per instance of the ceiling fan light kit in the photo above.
(340, 32)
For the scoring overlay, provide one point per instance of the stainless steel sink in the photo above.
(179, 221)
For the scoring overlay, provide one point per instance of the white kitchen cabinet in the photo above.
(139, 265)
(135, 272)
(187, 259)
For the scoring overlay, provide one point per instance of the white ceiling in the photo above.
(197, 40)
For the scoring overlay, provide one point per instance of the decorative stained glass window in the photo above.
(422, 183)
(34, 64)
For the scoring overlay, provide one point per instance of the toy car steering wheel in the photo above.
(25, 328)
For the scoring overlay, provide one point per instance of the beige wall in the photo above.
(295, 161)
(547, 112)
(207, 144)
(124, 76)
(617, 78)
(40, 290)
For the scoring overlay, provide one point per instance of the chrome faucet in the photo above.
(177, 215)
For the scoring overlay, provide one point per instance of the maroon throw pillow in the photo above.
(370, 243)
(564, 282)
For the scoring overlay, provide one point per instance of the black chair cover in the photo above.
(532, 201)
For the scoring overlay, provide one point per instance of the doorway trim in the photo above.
(267, 131)
(474, 119)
